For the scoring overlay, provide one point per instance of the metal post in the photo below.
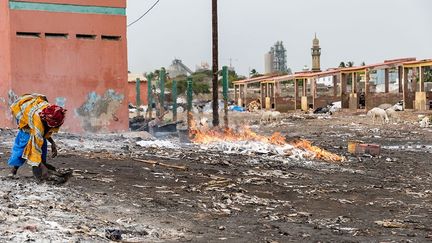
(149, 95)
(225, 93)
(138, 95)
(174, 97)
(162, 87)
(189, 103)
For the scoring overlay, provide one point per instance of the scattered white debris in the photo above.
(158, 144)
(254, 147)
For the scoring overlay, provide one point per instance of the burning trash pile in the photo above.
(244, 140)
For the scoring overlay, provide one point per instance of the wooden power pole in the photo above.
(215, 64)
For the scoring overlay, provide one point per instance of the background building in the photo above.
(177, 68)
(73, 51)
(316, 55)
(275, 60)
(132, 89)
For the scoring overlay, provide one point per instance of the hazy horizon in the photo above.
(367, 30)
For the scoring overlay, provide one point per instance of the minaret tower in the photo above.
(316, 54)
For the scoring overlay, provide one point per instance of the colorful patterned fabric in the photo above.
(54, 115)
(20, 143)
(26, 111)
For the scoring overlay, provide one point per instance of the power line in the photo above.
(144, 14)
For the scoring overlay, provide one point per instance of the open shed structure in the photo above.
(361, 87)
(416, 93)
(247, 90)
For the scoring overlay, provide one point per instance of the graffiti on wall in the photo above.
(61, 101)
(99, 111)
(12, 97)
(5, 104)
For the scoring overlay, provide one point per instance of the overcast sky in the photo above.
(355, 30)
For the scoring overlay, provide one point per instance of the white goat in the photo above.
(385, 106)
(269, 116)
(378, 112)
(425, 122)
(203, 123)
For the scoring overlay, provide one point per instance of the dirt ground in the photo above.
(231, 197)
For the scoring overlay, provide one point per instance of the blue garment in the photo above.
(237, 108)
(21, 141)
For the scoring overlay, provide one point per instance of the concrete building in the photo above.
(268, 63)
(275, 61)
(74, 52)
(316, 55)
(177, 68)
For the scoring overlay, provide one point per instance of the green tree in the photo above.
(347, 64)
(200, 83)
(253, 73)
(232, 76)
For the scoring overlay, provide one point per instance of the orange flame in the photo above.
(319, 152)
(206, 136)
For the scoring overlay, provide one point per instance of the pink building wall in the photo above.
(86, 76)
(132, 92)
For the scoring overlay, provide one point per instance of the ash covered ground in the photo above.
(164, 191)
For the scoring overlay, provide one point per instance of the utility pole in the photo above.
(215, 64)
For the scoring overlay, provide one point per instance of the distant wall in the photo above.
(5, 65)
(132, 93)
(376, 99)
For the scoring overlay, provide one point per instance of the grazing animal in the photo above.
(335, 106)
(322, 110)
(265, 116)
(203, 124)
(378, 112)
(385, 106)
(398, 106)
(425, 122)
(275, 115)
(392, 114)
(268, 116)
